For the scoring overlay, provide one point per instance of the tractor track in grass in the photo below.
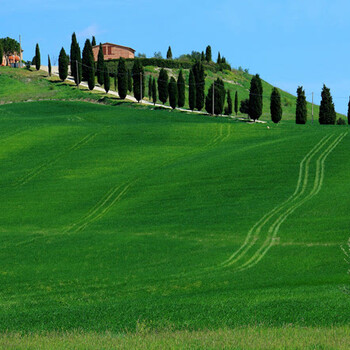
(286, 208)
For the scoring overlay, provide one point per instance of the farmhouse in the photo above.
(113, 51)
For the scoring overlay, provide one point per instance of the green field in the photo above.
(116, 217)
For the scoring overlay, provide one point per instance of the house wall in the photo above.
(112, 52)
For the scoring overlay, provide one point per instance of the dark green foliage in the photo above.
(181, 88)
(9, 46)
(199, 76)
(49, 65)
(275, 106)
(169, 54)
(172, 93)
(202, 56)
(93, 41)
(327, 111)
(37, 57)
(192, 91)
(244, 107)
(138, 79)
(219, 98)
(87, 60)
(236, 102)
(122, 79)
(150, 87)
(115, 75)
(218, 61)
(91, 71)
(106, 80)
(154, 91)
(228, 109)
(75, 60)
(163, 91)
(208, 55)
(100, 65)
(301, 109)
(63, 65)
(341, 121)
(33, 61)
(255, 98)
(1, 52)
(129, 80)
(349, 112)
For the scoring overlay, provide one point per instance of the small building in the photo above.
(113, 51)
(11, 60)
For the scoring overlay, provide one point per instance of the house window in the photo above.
(104, 50)
(109, 50)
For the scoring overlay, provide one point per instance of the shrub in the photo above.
(341, 121)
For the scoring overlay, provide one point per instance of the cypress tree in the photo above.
(37, 57)
(301, 110)
(122, 79)
(90, 62)
(138, 76)
(327, 110)
(100, 66)
(275, 106)
(1, 53)
(218, 61)
(192, 91)
(86, 60)
(93, 41)
(244, 106)
(202, 56)
(115, 75)
(228, 109)
(236, 102)
(154, 91)
(219, 97)
(150, 88)
(181, 88)
(208, 54)
(199, 77)
(129, 80)
(255, 98)
(63, 65)
(106, 80)
(49, 65)
(163, 85)
(169, 54)
(173, 93)
(75, 60)
(349, 112)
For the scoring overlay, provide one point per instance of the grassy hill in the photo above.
(122, 218)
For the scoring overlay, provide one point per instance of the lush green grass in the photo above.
(116, 216)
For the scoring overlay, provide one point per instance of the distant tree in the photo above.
(49, 68)
(327, 110)
(341, 121)
(93, 41)
(87, 61)
(228, 109)
(349, 112)
(74, 60)
(236, 102)
(173, 93)
(1, 53)
(192, 91)
(158, 54)
(275, 106)
(199, 77)
(218, 61)
(150, 88)
(100, 66)
(181, 88)
(138, 77)
(33, 61)
(244, 107)
(141, 55)
(129, 80)
(122, 79)
(208, 54)
(219, 97)
(202, 56)
(169, 54)
(90, 62)
(37, 57)
(63, 65)
(154, 91)
(255, 98)
(106, 79)
(301, 110)
(163, 92)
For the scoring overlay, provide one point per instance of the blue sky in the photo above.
(289, 43)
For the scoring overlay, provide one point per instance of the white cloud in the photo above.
(88, 32)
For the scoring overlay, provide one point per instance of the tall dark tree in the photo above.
(163, 91)
(88, 58)
(236, 102)
(244, 107)
(219, 97)
(49, 68)
(1, 52)
(122, 79)
(150, 88)
(276, 106)
(169, 54)
(93, 41)
(75, 60)
(129, 80)
(202, 56)
(37, 57)
(63, 65)
(218, 61)
(208, 56)
(192, 91)
(138, 79)
(327, 110)
(154, 91)
(100, 65)
(181, 88)
(115, 76)
(301, 110)
(90, 62)
(106, 79)
(255, 98)
(199, 77)
(228, 109)
(172, 93)
(349, 112)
